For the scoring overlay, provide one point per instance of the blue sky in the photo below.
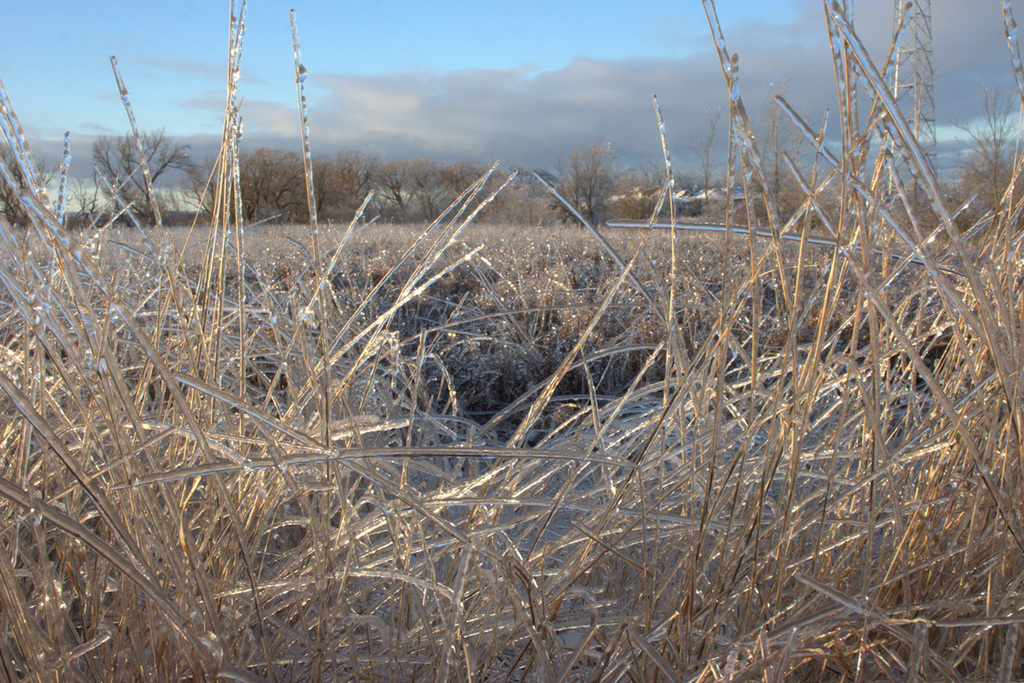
(523, 82)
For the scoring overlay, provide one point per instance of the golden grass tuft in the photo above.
(379, 452)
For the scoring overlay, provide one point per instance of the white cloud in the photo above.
(525, 115)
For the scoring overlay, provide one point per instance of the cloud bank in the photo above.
(530, 117)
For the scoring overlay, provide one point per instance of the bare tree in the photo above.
(457, 176)
(704, 149)
(11, 206)
(273, 183)
(990, 143)
(423, 176)
(326, 183)
(585, 180)
(118, 159)
(393, 181)
(85, 197)
(199, 186)
(355, 174)
(776, 139)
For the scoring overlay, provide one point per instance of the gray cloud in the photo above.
(524, 115)
(521, 116)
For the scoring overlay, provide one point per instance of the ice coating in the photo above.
(63, 191)
(716, 30)
(1010, 28)
(901, 29)
(123, 89)
(734, 77)
(860, 54)
(11, 128)
(307, 153)
(664, 144)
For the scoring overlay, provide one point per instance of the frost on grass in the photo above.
(472, 451)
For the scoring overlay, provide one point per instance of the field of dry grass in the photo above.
(476, 452)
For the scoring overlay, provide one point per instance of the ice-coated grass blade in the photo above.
(126, 102)
(783, 446)
(62, 192)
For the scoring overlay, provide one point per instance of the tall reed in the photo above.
(807, 466)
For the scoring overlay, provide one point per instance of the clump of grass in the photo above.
(229, 453)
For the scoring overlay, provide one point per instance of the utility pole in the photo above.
(913, 78)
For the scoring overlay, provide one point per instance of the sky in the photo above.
(519, 82)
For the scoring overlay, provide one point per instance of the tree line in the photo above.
(272, 180)
(272, 184)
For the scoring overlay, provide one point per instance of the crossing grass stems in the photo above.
(406, 453)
